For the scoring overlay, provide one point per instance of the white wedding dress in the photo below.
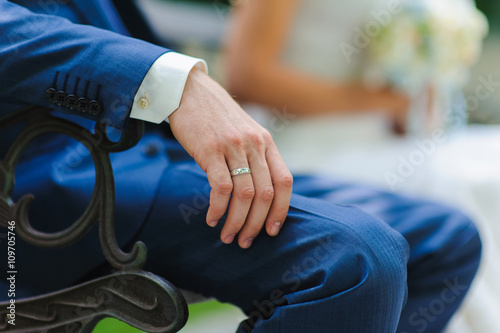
(461, 168)
(313, 47)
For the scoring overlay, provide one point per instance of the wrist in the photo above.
(160, 93)
(193, 80)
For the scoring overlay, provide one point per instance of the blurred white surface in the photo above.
(462, 170)
(185, 22)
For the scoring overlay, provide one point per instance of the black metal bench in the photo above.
(138, 298)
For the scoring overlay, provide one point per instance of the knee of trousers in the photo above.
(344, 267)
(362, 261)
(454, 237)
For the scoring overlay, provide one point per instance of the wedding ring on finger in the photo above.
(240, 171)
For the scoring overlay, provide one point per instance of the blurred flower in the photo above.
(428, 42)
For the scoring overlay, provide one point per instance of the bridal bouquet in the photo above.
(428, 42)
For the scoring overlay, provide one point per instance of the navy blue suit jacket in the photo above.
(47, 44)
(83, 48)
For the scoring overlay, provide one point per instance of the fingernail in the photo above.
(275, 229)
(247, 243)
(212, 223)
(229, 239)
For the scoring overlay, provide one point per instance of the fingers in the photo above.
(283, 183)
(220, 136)
(241, 199)
(251, 200)
(264, 195)
(222, 186)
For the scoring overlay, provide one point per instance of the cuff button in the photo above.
(82, 105)
(51, 94)
(60, 98)
(71, 101)
(95, 108)
(143, 103)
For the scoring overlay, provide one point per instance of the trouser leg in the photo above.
(332, 268)
(444, 248)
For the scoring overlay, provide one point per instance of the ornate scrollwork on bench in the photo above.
(149, 303)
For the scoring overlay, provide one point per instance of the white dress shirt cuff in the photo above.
(161, 90)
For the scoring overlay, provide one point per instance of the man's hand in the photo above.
(221, 137)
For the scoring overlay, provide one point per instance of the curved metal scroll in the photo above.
(147, 302)
(102, 203)
(141, 299)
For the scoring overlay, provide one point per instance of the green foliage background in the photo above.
(198, 311)
(492, 10)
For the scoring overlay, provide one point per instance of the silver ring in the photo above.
(240, 171)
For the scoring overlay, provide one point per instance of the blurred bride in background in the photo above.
(285, 55)
(303, 68)
(309, 64)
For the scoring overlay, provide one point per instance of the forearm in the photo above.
(280, 87)
(256, 72)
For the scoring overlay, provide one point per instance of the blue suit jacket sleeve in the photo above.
(39, 52)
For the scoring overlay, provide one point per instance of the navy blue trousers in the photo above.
(348, 259)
